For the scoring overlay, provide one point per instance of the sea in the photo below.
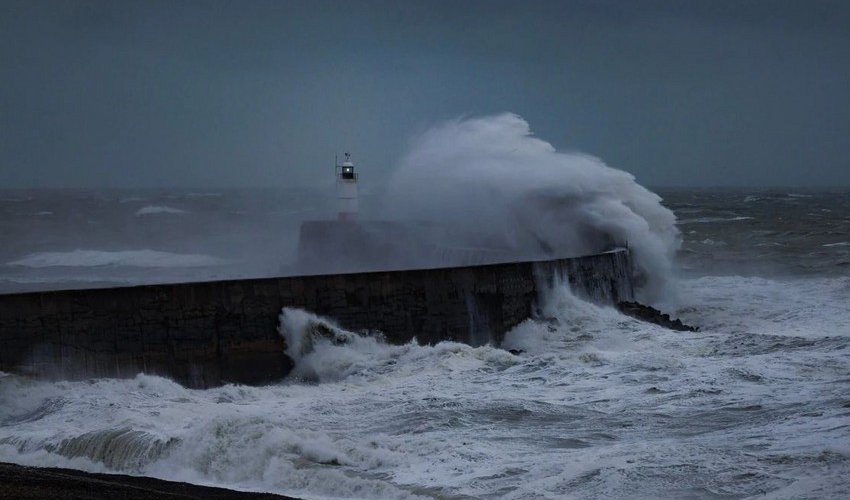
(756, 404)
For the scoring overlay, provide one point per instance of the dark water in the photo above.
(762, 232)
(72, 239)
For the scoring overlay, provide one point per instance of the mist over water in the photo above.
(491, 176)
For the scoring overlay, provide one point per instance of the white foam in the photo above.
(810, 308)
(323, 351)
(129, 258)
(598, 406)
(158, 209)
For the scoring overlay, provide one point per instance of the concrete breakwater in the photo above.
(209, 333)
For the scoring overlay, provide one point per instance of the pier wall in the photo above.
(209, 333)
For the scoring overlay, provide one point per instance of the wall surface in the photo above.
(330, 246)
(206, 334)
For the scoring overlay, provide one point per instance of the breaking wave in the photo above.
(594, 405)
(324, 352)
(490, 174)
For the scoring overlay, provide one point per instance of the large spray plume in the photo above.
(494, 184)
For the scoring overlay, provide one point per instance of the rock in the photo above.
(651, 315)
(47, 483)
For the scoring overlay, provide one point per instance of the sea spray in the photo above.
(561, 315)
(598, 406)
(490, 174)
(323, 351)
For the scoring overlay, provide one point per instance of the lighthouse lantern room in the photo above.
(346, 187)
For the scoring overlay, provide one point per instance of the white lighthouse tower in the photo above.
(346, 188)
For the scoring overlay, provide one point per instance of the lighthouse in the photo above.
(346, 188)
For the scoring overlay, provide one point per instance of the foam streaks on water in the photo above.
(599, 405)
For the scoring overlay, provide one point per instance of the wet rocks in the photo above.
(45, 483)
(651, 315)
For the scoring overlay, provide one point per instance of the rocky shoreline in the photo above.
(47, 483)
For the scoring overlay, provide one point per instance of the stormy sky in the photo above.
(263, 93)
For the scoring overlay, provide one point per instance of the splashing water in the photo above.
(598, 405)
(322, 351)
(491, 174)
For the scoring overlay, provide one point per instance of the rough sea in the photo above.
(598, 405)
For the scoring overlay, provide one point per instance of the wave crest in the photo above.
(491, 174)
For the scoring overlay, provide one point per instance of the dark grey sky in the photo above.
(251, 93)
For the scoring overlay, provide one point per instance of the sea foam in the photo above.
(598, 406)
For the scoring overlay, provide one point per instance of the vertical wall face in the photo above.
(205, 334)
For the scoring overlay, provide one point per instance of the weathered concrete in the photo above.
(206, 334)
(342, 247)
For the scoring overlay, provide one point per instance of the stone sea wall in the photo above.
(210, 333)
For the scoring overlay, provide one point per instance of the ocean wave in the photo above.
(158, 209)
(745, 407)
(709, 220)
(491, 174)
(126, 258)
(121, 449)
(325, 352)
(807, 308)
